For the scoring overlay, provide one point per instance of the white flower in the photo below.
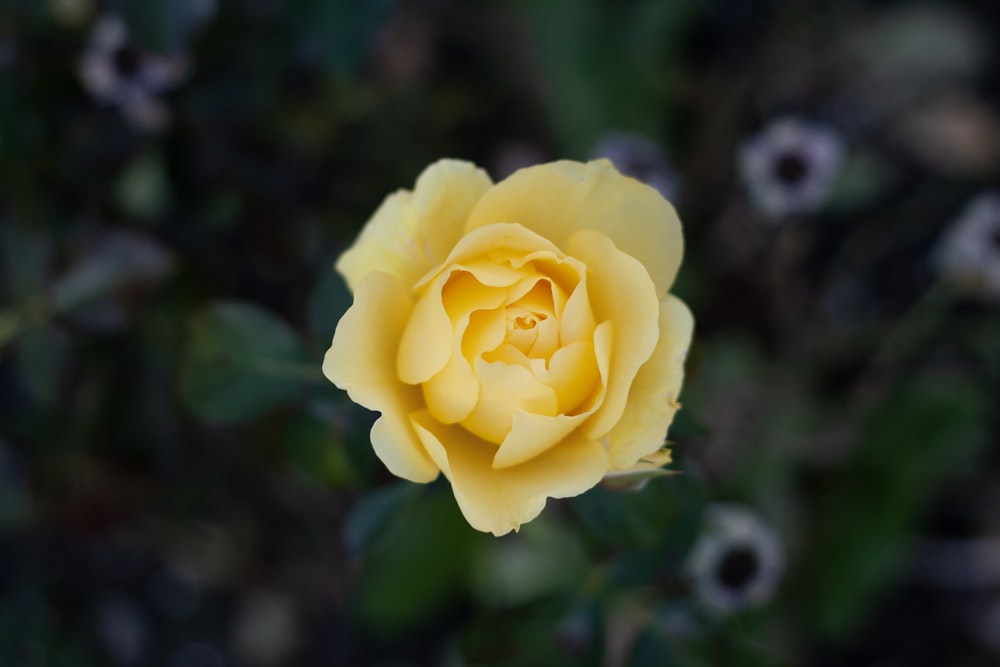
(790, 166)
(737, 561)
(636, 156)
(115, 70)
(969, 251)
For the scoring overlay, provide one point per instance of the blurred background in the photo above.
(180, 486)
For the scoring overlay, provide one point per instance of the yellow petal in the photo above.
(578, 383)
(500, 500)
(362, 360)
(411, 233)
(453, 393)
(429, 339)
(652, 401)
(532, 434)
(503, 390)
(622, 293)
(464, 292)
(426, 342)
(496, 249)
(573, 373)
(557, 199)
(577, 318)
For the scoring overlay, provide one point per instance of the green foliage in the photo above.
(933, 423)
(415, 552)
(338, 32)
(328, 302)
(606, 65)
(240, 361)
(644, 517)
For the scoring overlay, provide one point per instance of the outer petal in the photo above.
(412, 232)
(557, 199)
(362, 360)
(621, 292)
(652, 402)
(498, 501)
(496, 243)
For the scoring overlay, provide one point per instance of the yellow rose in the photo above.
(518, 337)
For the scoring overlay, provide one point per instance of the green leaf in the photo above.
(653, 649)
(241, 361)
(418, 566)
(368, 519)
(605, 65)
(932, 425)
(165, 26)
(543, 559)
(338, 33)
(143, 188)
(328, 302)
(41, 357)
(661, 509)
(316, 448)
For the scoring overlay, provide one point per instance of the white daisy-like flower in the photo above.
(115, 70)
(637, 156)
(737, 560)
(968, 254)
(790, 166)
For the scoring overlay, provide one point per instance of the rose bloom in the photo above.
(518, 337)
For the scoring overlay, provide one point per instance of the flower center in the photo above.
(995, 238)
(790, 168)
(127, 59)
(523, 329)
(738, 568)
(528, 321)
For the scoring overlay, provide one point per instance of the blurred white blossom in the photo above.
(637, 156)
(116, 70)
(969, 251)
(790, 166)
(737, 560)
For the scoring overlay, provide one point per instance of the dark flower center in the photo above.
(790, 168)
(995, 238)
(738, 568)
(127, 60)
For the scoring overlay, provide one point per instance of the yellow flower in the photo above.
(519, 337)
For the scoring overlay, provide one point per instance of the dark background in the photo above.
(180, 486)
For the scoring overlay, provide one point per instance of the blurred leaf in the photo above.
(862, 178)
(15, 504)
(338, 33)
(983, 337)
(41, 357)
(664, 550)
(931, 425)
(419, 565)
(118, 259)
(166, 26)
(605, 65)
(315, 448)
(27, 255)
(328, 302)
(240, 362)
(542, 559)
(374, 512)
(921, 43)
(653, 649)
(143, 190)
(649, 467)
(658, 512)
